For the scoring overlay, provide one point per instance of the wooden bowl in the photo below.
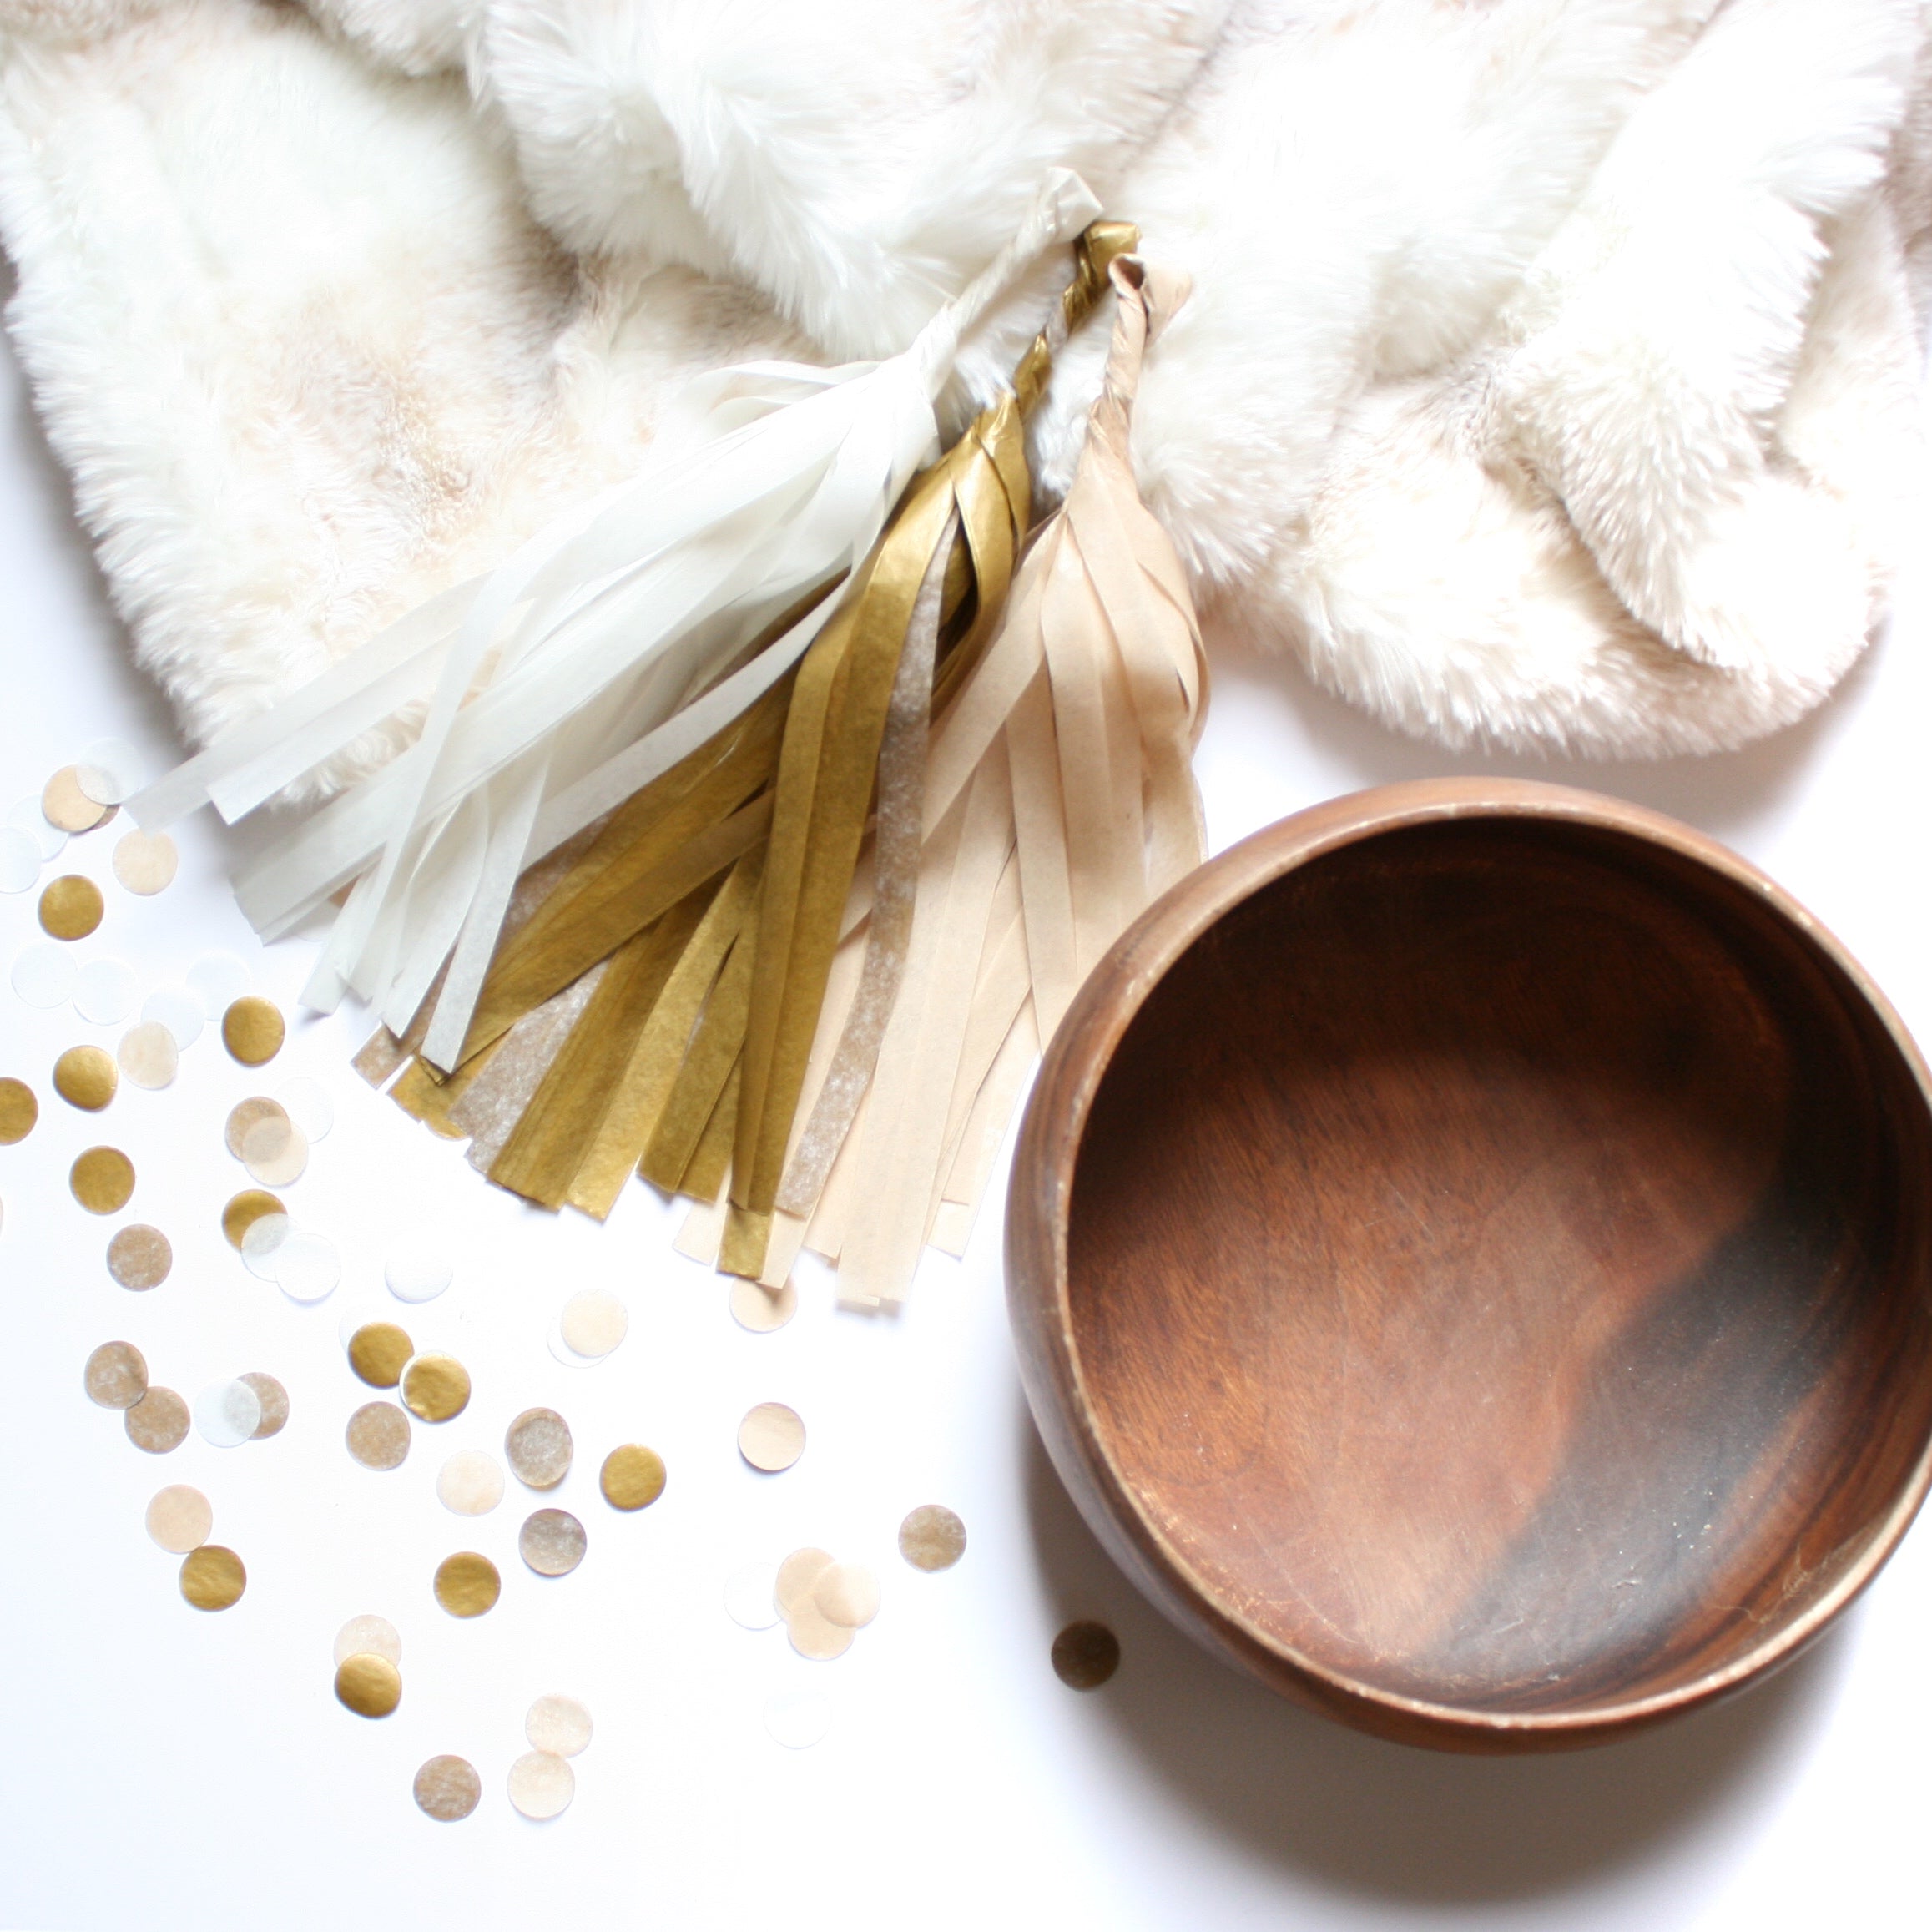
(1471, 1250)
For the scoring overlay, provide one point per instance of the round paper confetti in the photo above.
(49, 839)
(253, 1031)
(149, 1056)
(559, 1725)
(103, 1180)
(273, 1398)
(20, 859)
(798, 1719)
(116, 1376)
(86, 1077)
(1085, 1656)
(541, 1784)
(538, 1447)
(467, 1585)
(370, 1685)
(139, 1258)
(436, 1387)
(212, 1578)
(308, 1104)
(813, 1635)
(244, 1115)
(378, 1435)
(109, 771)
(448, 1788)
(274, 1153)
(846, 1594)
(307, 1268)
(759, 1309)
(263, 1242)
(749, 1596)
(178, 1011)
(65, 804)
(551, 1542)
(932, 1537)
(417, 1273)
(71, 907)
(369, 1635)
(18, 1111)
(379, 1352)
(771, 1437)
(145, 862)
(593, 1323)
(470, 1483)
(797, 1576)
(217, 980)
(157, 1423)
(227, 1414)
(44, 976)
(104, 991)
(243, 1211)
(179, 1519)
(632, 1477)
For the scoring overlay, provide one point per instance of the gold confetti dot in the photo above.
(932, 1537)
(559, 1725)
(252, 1030)
(145, 862)
(541, 1784)
(370, 1685)
(551, 1542)
(273, 1398)
(436, 1387)
(139, 1257)
(797, 1576)
(379, 1352)
(771, 1437)
(538, 1447)
(378, 1435)
(846, 1594)
(179, 1518)
(814, 1634)
(86, 1077)
(212, 1578)
(243, 1211)
(103, 1180)
(760, 1309)
(71, 907)
(632, 1477)
(149, 1056)
(467, 1585)
(1085, 1656)
(18, 1111)
(116, 1376)
(157, 1423)
(249, 1113)
(369, 1635)
(63, 803)
(448, 1788)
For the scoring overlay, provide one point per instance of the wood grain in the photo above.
(1471, 1254)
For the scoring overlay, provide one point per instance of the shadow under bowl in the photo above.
(1471, 1250)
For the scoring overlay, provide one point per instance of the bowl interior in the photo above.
(1498, 1264)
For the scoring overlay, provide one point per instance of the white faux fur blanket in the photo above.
(1551, 378)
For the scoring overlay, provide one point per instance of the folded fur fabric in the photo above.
(1550, 381)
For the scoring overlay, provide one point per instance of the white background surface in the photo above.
(164, 1768)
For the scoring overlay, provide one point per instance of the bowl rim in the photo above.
(1076, 1063)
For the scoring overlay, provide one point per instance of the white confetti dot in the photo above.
(20, 859)
(43, 976)
(798, 1719)
(418, 1272)
(217, 980)
(178, 1011)
(261, 1243)
(307, 1268)
(105, 991)
(27, 817)
(228, 1414)
(109, 771)
(307, 1103)
(748, 1601)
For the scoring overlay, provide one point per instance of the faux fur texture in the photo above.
(1550, 378)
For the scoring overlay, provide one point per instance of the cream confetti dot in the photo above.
(101, 1179)
(20, 859)
(813, 1635)
(139, 1257)
(541, 1784)
(559, 1725)
(369, 1635)
(227, 1414)
(157, 1423)
(44, 976)
(931, 1538)
(846, 1594)
(308, 1104)
(49, 839)
(593, 1323)
(244, 1115)
(798, 1719)
(418, 1273)
(760, 1309)
(149, 1056)
(178, 1011)
(180, 1519)
(538, 1446)
(797, 1576)
(467, 1585)
(263, 1242)
(217, 980)
(86, 1077)
(71, 907)
(213, 1578)
(470, 1483)
(65, 804)
(377, 1436)
(104, 991)
(771, 1437)
(307, 1267)
(109, 771)
(253, 1030)
(276, 1154)
(749, 1596)
(551, 1542)
(116, 1376)
(145, 862)
(372, 1686)
(273, 1398)
(448, 1788)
